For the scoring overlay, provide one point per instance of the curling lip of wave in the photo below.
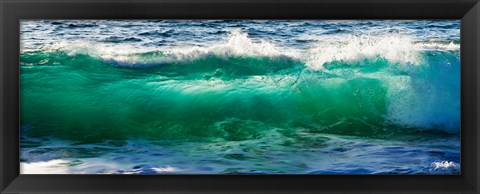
(395, 48)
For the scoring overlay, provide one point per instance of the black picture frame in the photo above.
(12, 11)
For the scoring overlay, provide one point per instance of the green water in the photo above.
(84, 98)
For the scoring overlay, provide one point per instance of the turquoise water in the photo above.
(288, 97)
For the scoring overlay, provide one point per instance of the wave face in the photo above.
(232, 82)
(175, 95)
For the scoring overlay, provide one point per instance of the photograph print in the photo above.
(240, 97)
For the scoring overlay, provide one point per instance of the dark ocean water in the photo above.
(235, 96)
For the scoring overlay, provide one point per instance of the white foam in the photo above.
(394, 48)
(446, 165)
(56, 166)
(237, 44)
(345, 47)
(165, 169)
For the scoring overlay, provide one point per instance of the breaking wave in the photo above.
(235, 89)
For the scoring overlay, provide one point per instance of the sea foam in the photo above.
(347, 48)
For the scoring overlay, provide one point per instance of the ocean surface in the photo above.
(240, 97)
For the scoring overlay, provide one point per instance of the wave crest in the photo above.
(396, 49)
(392, 47)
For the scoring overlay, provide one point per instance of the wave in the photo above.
(347, 48)
(235, 89)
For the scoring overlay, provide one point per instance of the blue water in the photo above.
(240, 96)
